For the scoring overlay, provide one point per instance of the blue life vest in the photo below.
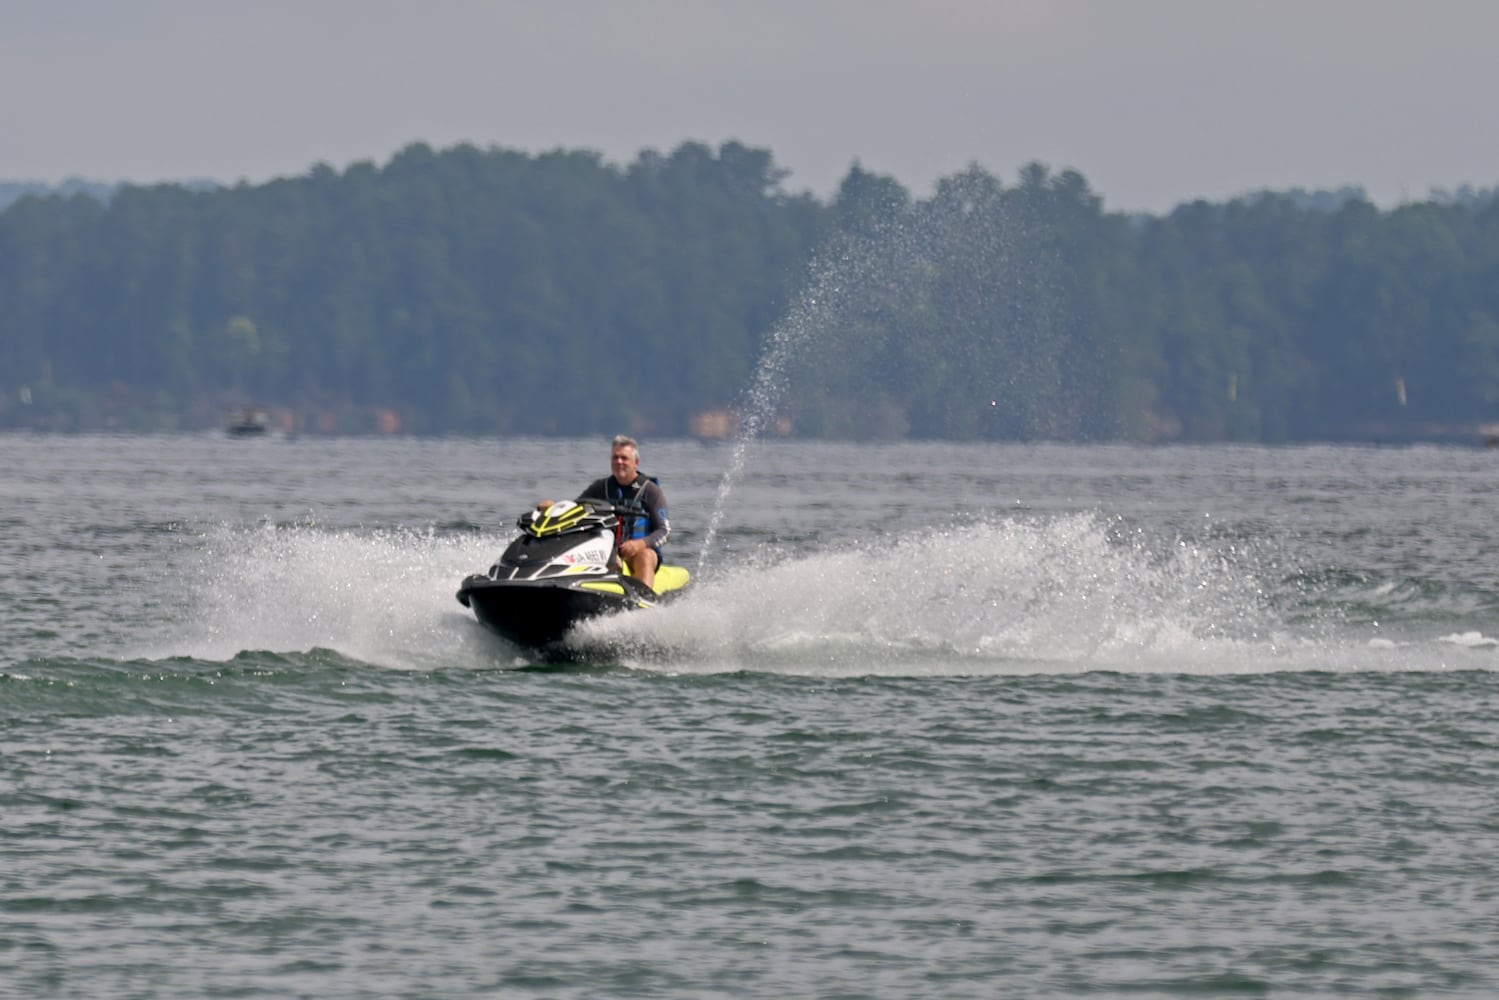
(640, 524)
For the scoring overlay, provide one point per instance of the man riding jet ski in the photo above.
(626, 485)
(579, 559)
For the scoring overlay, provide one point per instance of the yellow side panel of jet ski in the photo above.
(669, 578)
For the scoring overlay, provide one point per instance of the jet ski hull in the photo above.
(539, 613)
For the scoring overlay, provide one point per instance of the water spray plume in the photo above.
(818, 306)
(916, 314)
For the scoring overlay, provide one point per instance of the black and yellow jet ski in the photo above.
(564, 567)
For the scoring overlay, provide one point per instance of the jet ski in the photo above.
(562, 568)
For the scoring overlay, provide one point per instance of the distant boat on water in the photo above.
(249, 422)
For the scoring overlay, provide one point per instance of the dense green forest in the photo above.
(498, 292)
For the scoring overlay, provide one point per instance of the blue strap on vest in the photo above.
(640, 525)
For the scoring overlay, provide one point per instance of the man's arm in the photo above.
(594, 491)
(654, 500)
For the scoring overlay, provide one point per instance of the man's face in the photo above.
(624, 462)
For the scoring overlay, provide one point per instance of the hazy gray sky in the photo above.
(1154, 101)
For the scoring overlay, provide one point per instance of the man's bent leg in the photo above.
(643, 567)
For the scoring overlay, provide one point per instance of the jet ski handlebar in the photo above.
(592, 505)
(566, 516)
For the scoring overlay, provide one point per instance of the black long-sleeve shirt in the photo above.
(644, 493)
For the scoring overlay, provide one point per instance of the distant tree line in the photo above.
(497, 292)
(13, 191)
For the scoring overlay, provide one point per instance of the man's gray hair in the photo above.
(625, 441)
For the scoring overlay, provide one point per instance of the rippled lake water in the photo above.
(934, 721)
